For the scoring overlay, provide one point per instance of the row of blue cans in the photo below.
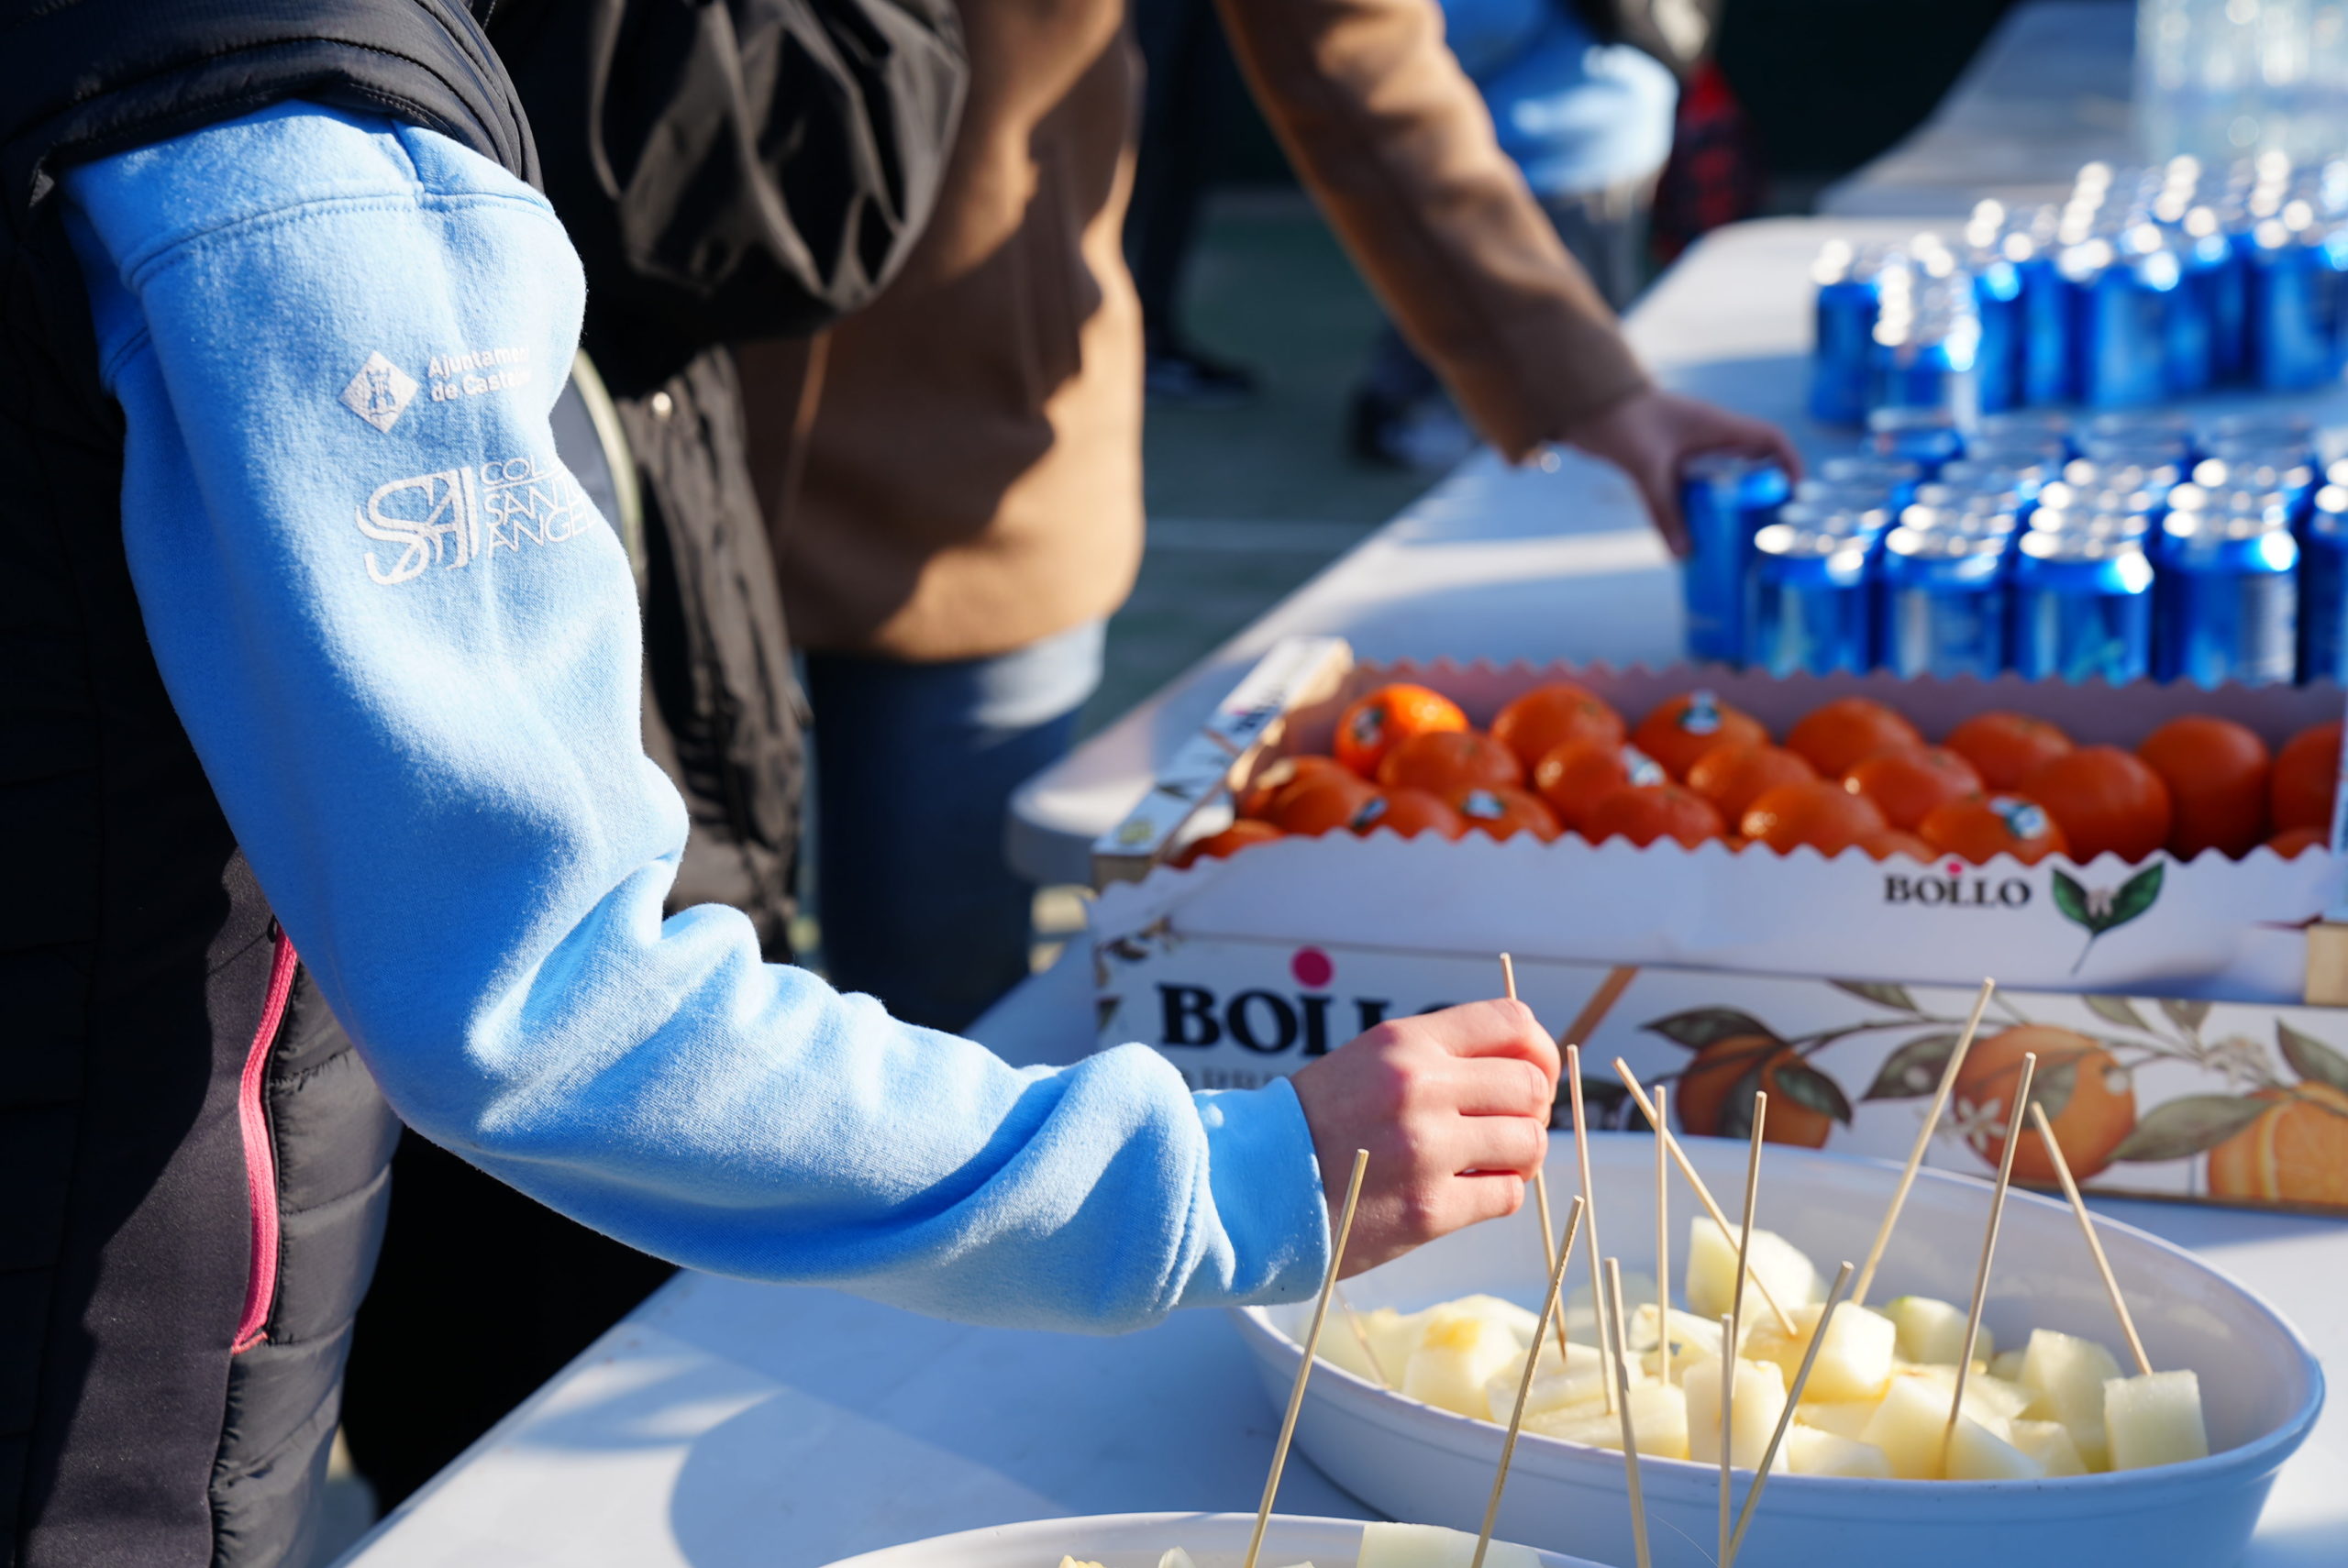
(2143, 286)
(2163, 561)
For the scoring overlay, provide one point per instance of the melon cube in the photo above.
(1791, 1276)
(1978, 1453)
(2153, 1419)
(1847, 1421)
(1908, 1426)
(1757, 1398)
(1175, 1557)
(1580, 1380)
(1458, 1353)
(1392, 1336)
(2065, 1376)
(1341, 1347)
(1811, 1452)
(1432, 1546)
(2048, 1442)
(1659, 1419)
(1519, 1320)
(2008, 1365)
(1692, 1338)
(1934, 1331)
(1854, 1359)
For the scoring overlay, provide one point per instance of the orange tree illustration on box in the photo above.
(2279, 1133)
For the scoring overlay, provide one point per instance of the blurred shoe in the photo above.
(1180, 373)
(1426, 436)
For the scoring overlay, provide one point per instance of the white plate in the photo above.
(1136, 1540)
(2260, 1385)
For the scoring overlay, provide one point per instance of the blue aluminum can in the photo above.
(1998, 307)
(1810, 601)
(1897, 478)
(2323, 587)
(1726, 499)
(1924, 437)
(2046, 363)
(1974, 476)
(2080, 607)
(2216, 291)
(1846, 310)
(2123, 291)
(2229, 597)
(1926, 353)
(2295, 272)
(1941, 599)
(2260, 471)
(2268, 430)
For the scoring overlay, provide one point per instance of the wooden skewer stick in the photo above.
(1609, 1305)
(1786, 1416)
(1564, 1252)
(1733, 1341)
(2095, 1244)
(1989, 1242)
(1540, 1183)
(1923, 1143)
(1589, 1204)
(1703, 1193)
(1663, 1237)
(1361, 1338)
(1304, 1366)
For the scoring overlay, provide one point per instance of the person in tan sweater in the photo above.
(952, 479)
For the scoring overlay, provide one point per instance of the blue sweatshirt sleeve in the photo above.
(406, 647)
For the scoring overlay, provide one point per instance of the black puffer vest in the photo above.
(191, 1159)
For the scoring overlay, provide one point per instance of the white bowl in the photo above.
(2260, 1385)
(1136, 1540)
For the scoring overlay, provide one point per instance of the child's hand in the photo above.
(1454, 1109)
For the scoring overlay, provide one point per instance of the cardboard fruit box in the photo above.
(2211, 928)
(2165, 1000)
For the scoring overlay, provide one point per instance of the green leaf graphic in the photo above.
(2072, 901)
(1703, 1026)
(2191, 1124)
(1878, 993)
(2187, 1015)
(2115, 1010)
(2311, 1058)
(1914, 1070)
(2135, 896)
(1809, 1087)
(2053, 1085)
(1736, 1116)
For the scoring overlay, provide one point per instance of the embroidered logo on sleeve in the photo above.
(380, 393)
(454, 517)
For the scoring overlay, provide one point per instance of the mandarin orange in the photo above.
(1679, 729)
(1644, 812)
(1278, 775)
(1503, 812)
(2292, 842)
(1837, 736)
(2105, 801)
(1572, 778)
(1547, 717)
(1731, 777)
(1315, 806)
(1408, 813)
(1890, 842)
(1909, 783)
(2004, 748)
(2217, 773)
(1442, 761)
(1979, 828)
(2307, 772)
(1247, 830)
(1818, 812)
(1383, 720)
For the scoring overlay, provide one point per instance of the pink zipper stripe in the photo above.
(260, 1155)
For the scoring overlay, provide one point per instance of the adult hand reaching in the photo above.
(1651, 434)
(1454, 1109)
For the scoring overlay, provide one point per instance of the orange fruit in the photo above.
(2296, 1152)
(1230, 841)
(1821, 815)
(1699, 1099)
(2292, 842)
(2307, 771)
(1377, 722)
(2216, 772)
(1891, 841)
(1441, 761)
(1575, 776)
(1644, 812)
(2006, 748)
(1504, 813)
(1679, 729)
(1731, 777)
(1313, 806)
(1279, 775)
(2103, 799)
(1909, 783)
(1837, 736)
(1408, 813)
(2098, 1113)
(1979, 828)
(1548, 716)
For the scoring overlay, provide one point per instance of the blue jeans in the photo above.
(914, 768)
